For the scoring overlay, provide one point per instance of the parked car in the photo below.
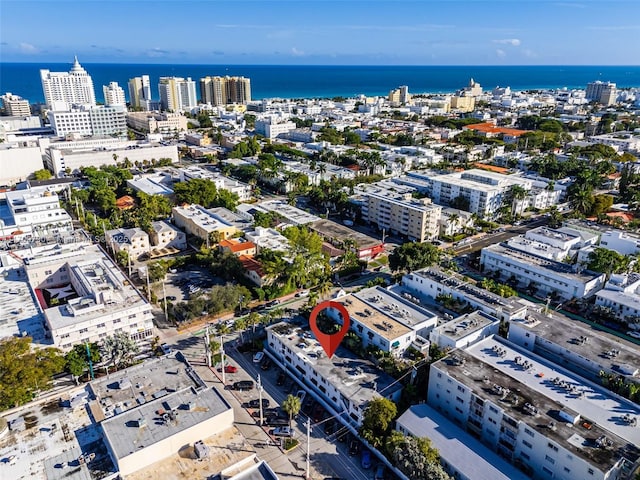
(256, 403)
(281, 378)
(266, 364)
(303, 293)
(273, 303)
(243, 385)
(354, 447)
(379, 472)
(366, 459)
(166, 349)
(282, 432)
(257, 358)
(274, 420)
(229, 369)
(633, 334)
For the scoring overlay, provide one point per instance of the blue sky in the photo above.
(323, 32)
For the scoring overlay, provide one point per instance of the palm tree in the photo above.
(517, 194)
(581, 199)
(291, 406)
(454, 218)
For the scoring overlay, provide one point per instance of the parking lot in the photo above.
(178, 283)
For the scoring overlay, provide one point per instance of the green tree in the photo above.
(25, 372)
(608, 261)
(42, 174)
(415, 457)
(377, 420)
(291, 406)
(413, 256)
(119, 349)
(77, 360)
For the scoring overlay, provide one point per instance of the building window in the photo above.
(460, 389)
(524, 455)
(590, 471)
(528, 432)
(527, 444)
(568, 470)
(552, 447)
(549, 459)
(547, 471)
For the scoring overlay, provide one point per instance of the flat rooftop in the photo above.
(565, 332)
(202, 217)
(353, 376)
(241, 223)
(550, 390)
(465, 325)
(559, 268)
(294, 215)
(468, 289)
(404, 311)
(190, 406)
(142, 383)
(150, 185)
(375, 319)
(468, 455)
(331, 229)
(19, 309)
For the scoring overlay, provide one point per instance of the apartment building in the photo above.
(19, 159)
(157, 122)
(622, 242)
(93, 121)
(114, 95)
(621, 295)
(222, 182)
(602, 92)
(545, 420)
(63, 90)
(417, 219)
(464, 330)
(225, 90)
(268, 238)
(427, 284)
(546, 277)
(202, 223)
(386, 320)
(345, 384)
(165, 235)
(101, 300)
(134, 241)
(15, 106)
(574, 346)
(485, 191)
(453, 220)
(177, 94)
(34, 212)
(140, 92)
(271, 127)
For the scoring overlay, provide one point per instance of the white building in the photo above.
(547, 277)
(622, 242)
(177, 94)
(270, 127)
(454, 221)
(75, 155)
(14, 105)
(464, 330)
(545, 420)
(151, 184)
(114, 95)
(140, 92)
(19, 159)
(553, 244)
(103, 301)
(157, 122)
(622, 295)
(221, 182)
(268, 238)
(387, 321)
(93, 121)
(62, 90)
(346, 390)
(485, 191)
(34, 212)
(165, 235)
(134, 241)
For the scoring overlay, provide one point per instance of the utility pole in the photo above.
(260, 398)
(224, 378)
(164, 298)
(384, 230)
(86, 344)
(207, 346)
(308, 446)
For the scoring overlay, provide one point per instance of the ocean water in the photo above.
(286, 81)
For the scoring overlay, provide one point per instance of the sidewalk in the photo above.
(280, 462)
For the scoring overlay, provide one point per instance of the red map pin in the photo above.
(330, 343)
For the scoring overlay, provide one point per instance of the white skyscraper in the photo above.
(177, 94)
(114, 94)
(64, 89)
(140, 92)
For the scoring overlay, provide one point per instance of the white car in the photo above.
(303, 293)
(633, 334)
(257, 358)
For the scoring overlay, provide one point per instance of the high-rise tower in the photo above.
(64, 89)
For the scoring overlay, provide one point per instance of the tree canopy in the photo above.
(378, 420)
(204, 192)
(25, 371)
(413, 256)
(415, 457)
(608, 261)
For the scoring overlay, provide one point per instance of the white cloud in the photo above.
(509, 41)
(296, 53)
(501, 53)
(28, 49)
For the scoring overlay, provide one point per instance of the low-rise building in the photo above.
(548, 422)
(151, 184)
(165, 235)
(345, 383)
(221, 182)
(93, 297)
(454, 221)
(622, 242)
(237, 247)
(252, 269)
(366, 246)
(156, 122)
(202, 223)
(33, 213)
(292, 214)
(464, 330)
(268, 238)
(534, 272)
(621, 295)
(134, 241)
